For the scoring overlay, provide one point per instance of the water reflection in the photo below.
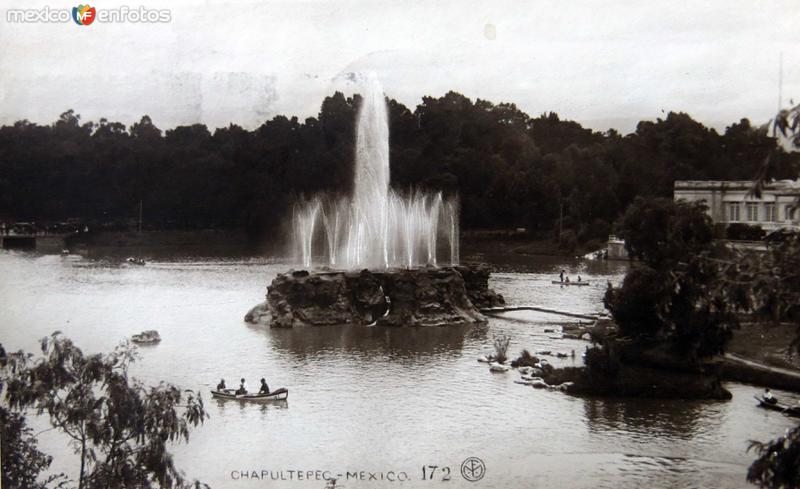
(229, 406)
(646, 417)
(405, 345)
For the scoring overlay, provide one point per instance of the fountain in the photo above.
(376, 252)
(375, 228)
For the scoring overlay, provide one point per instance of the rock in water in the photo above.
(476, 280)
(403, 297)
(259, 314)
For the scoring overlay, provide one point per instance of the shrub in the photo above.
(634, 305)
(501, 348)
(745, 232)
(525, 360)
(600, 362)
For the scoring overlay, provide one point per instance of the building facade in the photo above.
(728, 201)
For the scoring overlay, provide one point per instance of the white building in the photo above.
(729, 202)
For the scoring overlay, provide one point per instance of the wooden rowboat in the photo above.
(556, 282)
(276, 395)
(784, 408)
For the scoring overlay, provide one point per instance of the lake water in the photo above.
(383, 401)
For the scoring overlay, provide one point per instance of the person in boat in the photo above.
(561, 275)
(769, 398)
(221, 385)
(242, 388)
(264, 387)
(579, 278)
(566, 280)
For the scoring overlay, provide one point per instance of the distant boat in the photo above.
(135, 261)
(793, 411)
(148, 337)
(556, 282)
(276, 395)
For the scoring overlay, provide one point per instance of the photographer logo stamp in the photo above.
(473, 469)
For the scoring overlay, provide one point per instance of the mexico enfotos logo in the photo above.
(85, 15)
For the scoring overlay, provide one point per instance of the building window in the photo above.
(770, 213)
(787, 212)
(733, 212)
(752, 212)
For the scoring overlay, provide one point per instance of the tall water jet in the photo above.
(375, 227)
(371, 176)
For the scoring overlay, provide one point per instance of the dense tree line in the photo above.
(510, 170)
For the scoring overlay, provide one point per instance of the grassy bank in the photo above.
(766, 343)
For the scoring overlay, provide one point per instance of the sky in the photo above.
(605, 64)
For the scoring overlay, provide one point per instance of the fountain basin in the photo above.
(429, 296)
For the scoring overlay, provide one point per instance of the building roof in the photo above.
(789, 186)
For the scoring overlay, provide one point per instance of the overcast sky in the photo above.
(603, 64)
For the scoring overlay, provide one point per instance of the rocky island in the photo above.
(426, 296)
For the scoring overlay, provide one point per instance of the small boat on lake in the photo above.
(136, 261)
(148, 337)
(276, 395)
(793, 411)
(558, 282)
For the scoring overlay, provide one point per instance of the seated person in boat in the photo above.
(566, 280)
(242, 388)
(221, 385)
(769, 398)
(264, 387)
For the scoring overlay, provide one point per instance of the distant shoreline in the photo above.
(500, 241)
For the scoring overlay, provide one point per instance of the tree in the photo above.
(22, 462)
(677, 294)
(634, 305)
(661, 232)
(119, 428)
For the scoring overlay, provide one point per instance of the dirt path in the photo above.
(783, 371)
(734, 367)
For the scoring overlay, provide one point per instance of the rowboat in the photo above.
(784, 408)
(276, 395)
(148, 337)
(557, 282)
